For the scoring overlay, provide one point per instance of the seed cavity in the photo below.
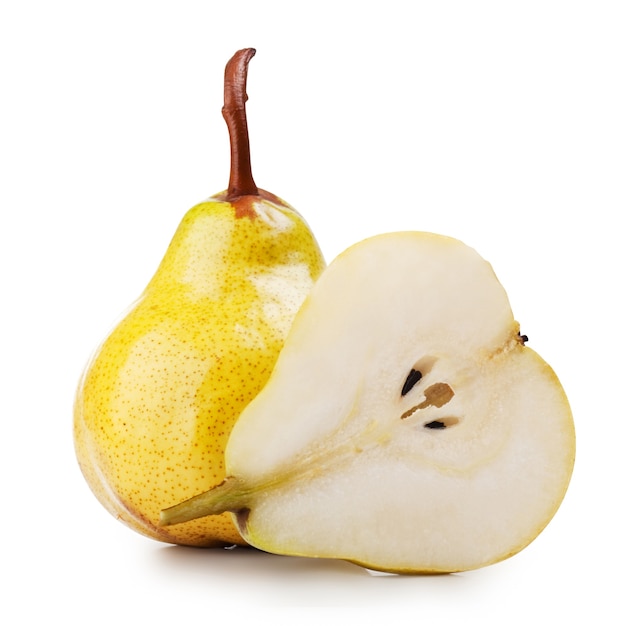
(411, 380)
(436, 395)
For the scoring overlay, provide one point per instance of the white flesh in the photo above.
(344, 466)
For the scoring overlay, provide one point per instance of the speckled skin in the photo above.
(157, 401)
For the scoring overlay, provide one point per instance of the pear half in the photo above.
(406, 426)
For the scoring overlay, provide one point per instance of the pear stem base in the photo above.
(227, 496)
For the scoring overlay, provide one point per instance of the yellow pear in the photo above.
(157, 401)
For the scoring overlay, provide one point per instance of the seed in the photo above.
(410, 381)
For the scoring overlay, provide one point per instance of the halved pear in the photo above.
(406, 426)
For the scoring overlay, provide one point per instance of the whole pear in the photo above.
(158, 399)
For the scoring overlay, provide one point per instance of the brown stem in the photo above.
(241, 182)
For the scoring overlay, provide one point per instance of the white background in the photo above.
(500, 123)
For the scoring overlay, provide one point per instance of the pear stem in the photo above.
(241, 182)
(227, 496)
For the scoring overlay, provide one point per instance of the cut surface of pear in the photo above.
(158, 399)
(406, 426)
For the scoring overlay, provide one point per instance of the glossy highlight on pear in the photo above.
(158, 399)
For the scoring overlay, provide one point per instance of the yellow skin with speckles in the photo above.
(157, 401)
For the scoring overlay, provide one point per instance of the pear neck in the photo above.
(241, 182)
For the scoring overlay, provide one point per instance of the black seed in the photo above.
(435, 424)
(411, 379)
(523, 338)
